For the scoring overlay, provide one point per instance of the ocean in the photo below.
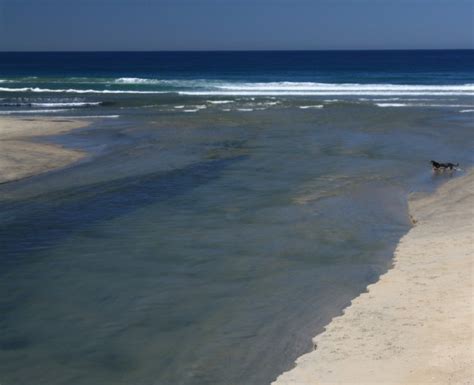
(232, 204)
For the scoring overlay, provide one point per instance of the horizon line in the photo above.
(244, 50)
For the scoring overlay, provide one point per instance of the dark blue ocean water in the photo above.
(67, 83)
(231, 204)
(412, 67)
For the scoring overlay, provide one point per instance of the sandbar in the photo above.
(21, 156)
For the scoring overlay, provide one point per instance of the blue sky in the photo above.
(234, 24)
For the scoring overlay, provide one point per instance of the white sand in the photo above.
(415, 325)
(20, 157)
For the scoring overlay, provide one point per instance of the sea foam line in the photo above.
(52, 104)
(217, 88)
(325, 93)
(31, 111)
(77, 91)
(310, 86)
(392, 104)
(176, 83)
(66, 104)
(221, 85)
(421, 105)
(314, 106)
(219, 101)
(136, 81)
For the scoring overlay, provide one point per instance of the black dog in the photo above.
(443, 166)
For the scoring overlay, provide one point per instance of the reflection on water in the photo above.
(205, 249)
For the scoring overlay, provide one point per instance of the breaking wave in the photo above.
(313, 106)
(66, 104)
(50, 104)
(77, 91)
(136, 81)
(216, 87)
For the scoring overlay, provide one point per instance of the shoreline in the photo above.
(22, 157)
(414, 325)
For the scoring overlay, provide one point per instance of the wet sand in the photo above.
(21, 156)
(415, 325)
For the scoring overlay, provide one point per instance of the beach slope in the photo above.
(415, 325)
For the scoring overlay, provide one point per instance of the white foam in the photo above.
(314, 106)
(464, 111)
(89, 117)
(190, 83)
(136, 81)
(194, 110)
(392, 104)
(404, 99)
(245, 109)
(422, 105)
(330, 89)
(77, 91)
(310, 86)
(68, 104)
(219, 101)
(178, 107)
(452, 105)
(31, 111)
(218, 88)
(325, 93)
(271, 103)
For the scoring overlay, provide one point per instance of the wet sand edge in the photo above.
(415, 325)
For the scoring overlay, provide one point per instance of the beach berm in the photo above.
(415, 325)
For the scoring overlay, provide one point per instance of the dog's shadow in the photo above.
(436, 174)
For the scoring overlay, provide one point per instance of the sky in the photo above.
(142, 25)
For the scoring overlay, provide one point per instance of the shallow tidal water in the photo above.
(207, 245)
(202, 251)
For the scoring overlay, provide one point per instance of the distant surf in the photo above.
(76, 91)
(200, 87)
(51, 104)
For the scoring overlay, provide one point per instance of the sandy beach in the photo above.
(415, 325)
(21, 156)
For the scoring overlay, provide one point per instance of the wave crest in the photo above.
(203, 87)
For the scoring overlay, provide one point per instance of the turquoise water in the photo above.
(208, 247)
